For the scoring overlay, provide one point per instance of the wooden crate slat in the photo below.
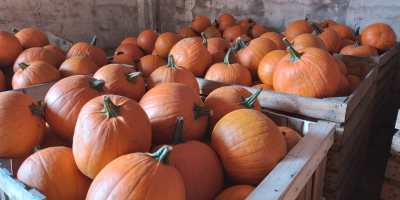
(15, 189)
(390, 191)
(393, 169)
(319, 177)
(386, 67)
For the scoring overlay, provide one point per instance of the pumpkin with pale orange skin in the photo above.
(34, 73)
(10, 48)
(330, 37)
(30, 37)
(37, 54)
(148, 64)
(130, 40)
(89, 50)
(359, 50)
(268, 64)
(380, 36)
(164, 44)
(120, 57)
(307, 40)
(297, 28)
(291, 137)
(78, 65)
(237, 192)
(277, 38)
(344, 31)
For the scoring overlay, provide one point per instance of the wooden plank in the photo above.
(319, 176)
(37, 92)
(398, 120)
(387, 67)
(395, 148)
(384, 58)
(305, 193)
(15, 189)
(393, 169)
(390, 191)
(295, 170)
(394, 182)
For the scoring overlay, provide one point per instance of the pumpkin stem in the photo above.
(193, 19)
(201, 111)
(251, 27)
(178, 137)
(357, 31)
(162, 155)
(317, 30)
(216, 24)
(38, 110)
(23, 66)
(249, 21)
(110, 108)
(357, 44)
(294, 55)
(324, 25)
(94, 40)
(171, 62)
(331, 52)
(283, 133)
(15, 31)
(227, 59)
(97, 85)
(241, 43)
(249, 101)
(119, 53)
(133, 76)
(36, 149)
(204, 39)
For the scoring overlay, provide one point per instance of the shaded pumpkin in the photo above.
(264, 87)
(30, 37)
(256, 31)
(164, 44)
(78, 65)
(147, 40)
(331, 39)
(225, 21)
(130, 40)
(34, 73)
(344, 87)
(297, 28)
(212, 32)
(3, 85)
(327, 23)
(52, 139)
(246, 22)
(89, 50)
(359, 50)
(56, 50)
(291, 137)
(10, 48)
(130, 50)
(306, 41)
(256, 82)
(268, 64)
(231, 33)
(344, 31)
(154, 52)
(172, 73)
(217, 47)
(380, 36)
(342, 67)
(180, 36)
(200, 23)
(276, 38)
(37, 54)
(186, 32)
(148, 64)
(237, 192)
(347, 42)
(8, 75)
(354, 82)
(120, 57)
(244, 37)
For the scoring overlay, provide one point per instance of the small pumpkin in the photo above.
(380, 36)
(3, 85)
(148, 64)
(307, 40)
(244, 37)
(217, 47)
(212, 32)
(354, 82)
(78, 65)
(130, 50)
(34, 73)
(53, 173)
(122, 80)
(347, 42)
(297, 28)
(359, 50)
(37, 54)
(225, 21)
(246, 22)
(30, 37)
(327, 23)
(186, 32)
(237, 192)
(344, 87)
(56, 50)
(231, 33)
(120, 57)
(52, 139)
(200, 23)
(229, 72)
(147, 40)
(344, 31)
(164, 44)
(264, 87)
(357, 36)
(256, 31)
(89, 50)
(291, 137)
(130, 40)
(172, 73)
(10, 48)
(330, 37)
(275, 37)
(342, 67)
(268, 64)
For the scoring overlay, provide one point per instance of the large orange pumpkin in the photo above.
(56, 50)
(10, 48)
(164, 44)
(130, 40)
(344, 87)
(276, 38)
(327, 23)
(212, 32)
(200, 23)
(186, 32)
(102, 133)
(331, 39)
(193, 55)
(53, 173)
(359, 50)
(256, 31)
(21, 124)
(202, 160)
(291, 137)
(344, 31)
(297, 28)
(30, 37)
(34, 73)
(342, 67)
(268, 64)
(130, 50)
(122, 80)
(231, 33)
(246, 22)
(249, 144)
(147, 40)
(380, 36)
(237, 192)
(312, 73)
(3, 85)
(354, 82)
(182, 101)
(148, 64)
(89, 50)
(347, 42)
(225, 21)
(217, 48)
(120, 57)
(78, 65)
(172, 73)
(65, 100)
(52, 139)
(307, 40)
(37, 54)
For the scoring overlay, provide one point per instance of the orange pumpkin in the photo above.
(164, 44)
(246, 22)
(342, 67)
(344, 87)
(148, 64)
(276, 38)
(30, 37)
(52, 139)
(307, 40)
(53, 173)
(120, 57)
(212, 32)
(344, 31)
(78, 65)
(186, 32)
(200, 23)
(237, 192)
(327, 23)
(380, 36)
(232, 136)
(172, 73)
(347, 42)
(3, 85)
(246, 39)
(34, 73)
(330, 37)
(22, 124)
(297, 28)
(268, 64)
(130, 40)
(354, 82)
(147, 40)
(37, 54)
(217, 47)
(10, 48)
(233, 32)
(130, 50)
(56, 50)
(264, 87)
(65, 100)
(291, 137)
(89, 50)
(359, 50)
(225, 21)
(154, 52)
(143, 176)
(256, 31)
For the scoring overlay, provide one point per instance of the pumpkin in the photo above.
(225, 21)
(226, 99)
(276, 38)
(344, 31)
(53, 173)
(233, 138)
(120, 57)
(342, 67)
(244, 37)
(89, 50)
(37, 54)
(147, 40)
(78, 65)
(56, 50)
(331, 39)
(52, 139)
(291, 137)
(307, 40)
(217, 47)
(359, 50)
(212, 32)
(10, 48)
(229, 72)
(130, 50)
(21, 124)
(264, 87)
(202, 160)
(200, 23)
(357, 36)
(327, 23)
(312, 73)
(122, 80)
(246, 22)
(268, 64)
(380, 36)
(256, 82)
(164, 44)
(347, 42)
(65, 100)
(172, 73)
(354, 82)
(193, 55)
(182, 101)
(237, 192)
(148, 64)
(3, 85)
(30, 37)
(251, 55)
(102, 133)
(36, 73)
(186, 32)
(344, 87)
(231, 33)
(180, 36)
(297, 28)
(256, 31)
(143, 176)
(130, 40)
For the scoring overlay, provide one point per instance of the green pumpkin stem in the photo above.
(294, 55)
(204, 40)
(249, 21)
(119, 53)
(38, 110)
(251, 27)
(133, 76)
(15, 31)
(97, 85)
(36, 149)
(94, 40)
(283, 133)
(216, 24)
(171, 62)
(324, 25)
(357, 31)
(357, 44)
(248, 102)
(227, 59)
(306, 19)
(162, 155)
(110, 108)
(241, 43)
(202, 111)
(178, 135)
(23, 66)
(318, 31)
